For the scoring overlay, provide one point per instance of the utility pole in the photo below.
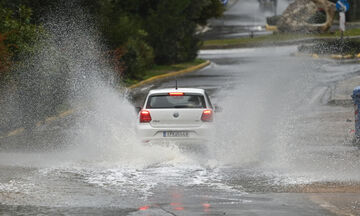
(342, 6)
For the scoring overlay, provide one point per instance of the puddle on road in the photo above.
(91, 180)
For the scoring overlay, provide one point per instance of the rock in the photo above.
(297, 17)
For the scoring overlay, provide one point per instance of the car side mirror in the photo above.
(218, 108)
(137, 109)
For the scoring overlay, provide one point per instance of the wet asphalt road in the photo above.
(272, 137)
(276, 133)
(276, 129)
(242, 19)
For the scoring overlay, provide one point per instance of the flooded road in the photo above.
(277, 142)
(275, 136)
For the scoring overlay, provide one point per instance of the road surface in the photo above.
(242, 19)
(279, 148)
(276, 139)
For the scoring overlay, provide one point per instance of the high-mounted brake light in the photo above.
(207, 115)
(145, 116)
(176, 94)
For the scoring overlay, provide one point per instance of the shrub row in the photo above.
(140, 33)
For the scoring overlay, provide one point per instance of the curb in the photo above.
(170, 74)
(147, 81)
(336, 57)
(342, 57)
(271, 27)
(341, 93)
(341, 102)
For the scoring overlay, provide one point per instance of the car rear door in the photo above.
(180, 110)
(176, 118)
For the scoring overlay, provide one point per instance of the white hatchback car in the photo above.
(183, 115)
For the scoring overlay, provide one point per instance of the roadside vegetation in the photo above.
(274, 38)
(346, 47)
(17, 34)
(163, 69)
(143, 37)
(138, 38)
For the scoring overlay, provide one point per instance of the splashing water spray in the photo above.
(70, 70)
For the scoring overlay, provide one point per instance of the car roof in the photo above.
(185, 90)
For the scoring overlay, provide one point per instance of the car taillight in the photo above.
(207, 115)
(176, 94)
(145, 116)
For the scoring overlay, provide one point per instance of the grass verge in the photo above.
(163, 69)
(333, 47)
(273, 38)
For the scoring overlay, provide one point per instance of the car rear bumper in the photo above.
(197, 135)
(179, 142)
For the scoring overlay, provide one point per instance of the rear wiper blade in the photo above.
(181, 106)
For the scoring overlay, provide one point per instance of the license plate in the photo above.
(176, 134)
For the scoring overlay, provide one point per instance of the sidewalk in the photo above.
(341, 94)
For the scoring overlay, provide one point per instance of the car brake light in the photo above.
(207, 115)
(176, 93)
(145, 116)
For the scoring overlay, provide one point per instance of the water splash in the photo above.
(274, 118)
(70, 69)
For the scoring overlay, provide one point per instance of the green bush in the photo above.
(5, 55)
(139, 57)
(138, 32)
(118, 30)
(206, 9)
(172, 33)
(171, 25)
(20, 32)
(17, 35)
(124, 34)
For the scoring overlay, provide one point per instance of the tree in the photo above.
(5, 55)
(20, 32)
(142, 31)
(17, 35)
(209, 9)
(171, 25)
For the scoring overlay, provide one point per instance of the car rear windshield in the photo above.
(166, 101)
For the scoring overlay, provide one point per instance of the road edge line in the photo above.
(170, 74)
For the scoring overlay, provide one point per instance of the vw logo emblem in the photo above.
(176, 114)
